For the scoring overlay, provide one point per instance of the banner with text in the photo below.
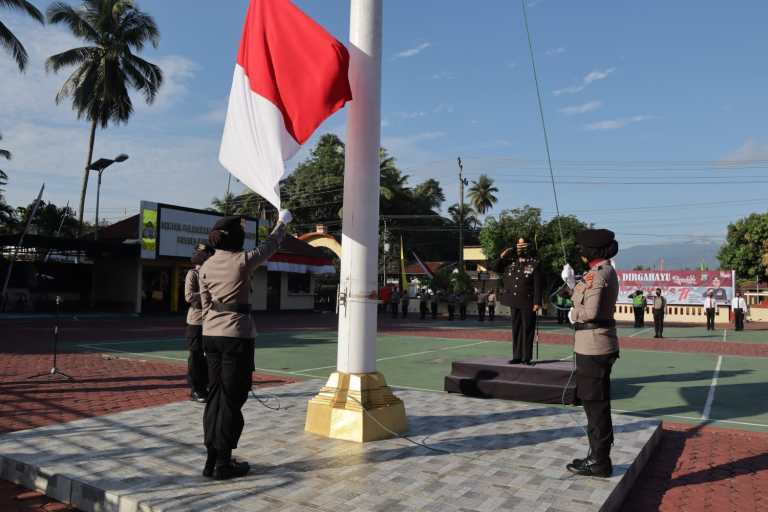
(678, 286)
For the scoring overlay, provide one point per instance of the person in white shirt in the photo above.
(710, 305)
(739, 306)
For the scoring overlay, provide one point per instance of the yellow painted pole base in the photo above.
(337, 411)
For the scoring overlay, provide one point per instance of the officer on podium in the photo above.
(522, 293)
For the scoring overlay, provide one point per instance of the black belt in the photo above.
(231, 307)
(597, 324)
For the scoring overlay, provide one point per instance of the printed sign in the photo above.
(687, 287)
(148, 230)
(180, 230)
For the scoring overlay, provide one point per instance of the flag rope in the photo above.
(544, 128)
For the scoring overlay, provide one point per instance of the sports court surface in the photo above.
(692, 376)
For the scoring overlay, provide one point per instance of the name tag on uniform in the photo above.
(528, 269)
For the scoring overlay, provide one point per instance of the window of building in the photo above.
(299, 283)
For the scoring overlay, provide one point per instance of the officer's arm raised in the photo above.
(267, 248)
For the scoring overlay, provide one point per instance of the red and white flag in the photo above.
(291, 74)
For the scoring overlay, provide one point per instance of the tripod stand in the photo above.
(54, 371)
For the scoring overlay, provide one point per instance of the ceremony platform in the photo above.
(504, 455)
(546, 382)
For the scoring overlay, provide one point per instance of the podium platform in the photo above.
(547, 382)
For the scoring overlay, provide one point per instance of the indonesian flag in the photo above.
(290, 76)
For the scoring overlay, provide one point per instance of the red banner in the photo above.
(678, 286)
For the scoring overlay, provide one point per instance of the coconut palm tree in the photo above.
(481, 194)
(9, 40)
(470, 218)
(107, 66)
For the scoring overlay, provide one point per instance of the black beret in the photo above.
(227, 223)
(595, 238)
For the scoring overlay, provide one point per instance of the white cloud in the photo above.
(615, 124)
(750, 151)
(582, 109)
(410, 52)
(555, 51)
(178, 72)
(590, 78)
(443, 75)
(216, 115)
(443, 108)
(412, 115)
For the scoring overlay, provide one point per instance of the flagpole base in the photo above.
(337, 411)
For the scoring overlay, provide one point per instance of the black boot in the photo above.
(228, 468)
(591, 467)
(210, 463)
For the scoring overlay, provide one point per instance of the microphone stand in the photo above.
(54, 370)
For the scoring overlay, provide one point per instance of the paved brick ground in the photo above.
(14, 498)
(703, 469)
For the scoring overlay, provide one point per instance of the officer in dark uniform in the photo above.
(197, 366)
(522, 293)
(596, 345)
(229, 337)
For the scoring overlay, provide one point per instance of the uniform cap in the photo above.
(522, 244)
(595, 238)
(227, 223)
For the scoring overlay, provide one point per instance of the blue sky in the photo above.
(643, 100)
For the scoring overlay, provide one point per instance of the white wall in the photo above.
(259, 289)
(292, 301)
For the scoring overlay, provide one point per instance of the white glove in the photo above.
(285, 216)
(570, 316)
(568, 275)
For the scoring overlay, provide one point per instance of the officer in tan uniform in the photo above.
(228, 337)
(596, 345)
(197, 366)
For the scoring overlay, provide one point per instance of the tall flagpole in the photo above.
(356, 403)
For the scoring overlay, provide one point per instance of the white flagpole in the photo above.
(360, 226)
(356, 404)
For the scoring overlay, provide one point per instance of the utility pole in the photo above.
(462, 181)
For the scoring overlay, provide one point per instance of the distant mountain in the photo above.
(676, 255)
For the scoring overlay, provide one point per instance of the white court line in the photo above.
(640, 332)
(143, 355)
(401, 356)
(128, 342)
(699, 420)
(725, 335)
(711, 395)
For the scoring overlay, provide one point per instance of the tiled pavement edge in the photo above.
(506, 456)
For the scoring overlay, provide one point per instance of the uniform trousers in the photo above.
(593, 389)
(434, 310)
(230, 365)
(523, 332)
(451, 311)
(422, 309)
(639, 317)
(562, 315)
(658, 322)
(197, 366)
(463, 311)
(491, 312)
(405, 309)
(710, 319)
(393, 308)
(481, 311)
(739, 318)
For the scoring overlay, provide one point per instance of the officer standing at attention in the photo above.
(394, 302)
(228, 337)
(596, 345)
(522, 293)
(197, 366)
(710, 304)
(423, 298)
(739, 306)
(434, 302)
(492, 305)
(639, 304)
(659, 309)
(482, 301)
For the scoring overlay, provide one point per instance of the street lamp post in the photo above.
(100, 166)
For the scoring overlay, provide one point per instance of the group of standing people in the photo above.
(221, 336)
(398, 303)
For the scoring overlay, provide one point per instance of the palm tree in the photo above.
(429, 193)
(481, 194)
(392, 181)
(8, 40)
(226, 205)
(470, 217)
(107, 67)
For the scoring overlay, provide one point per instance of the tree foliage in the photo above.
(526, 222)
(746, 247)
(482, 194)
(7, 38)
